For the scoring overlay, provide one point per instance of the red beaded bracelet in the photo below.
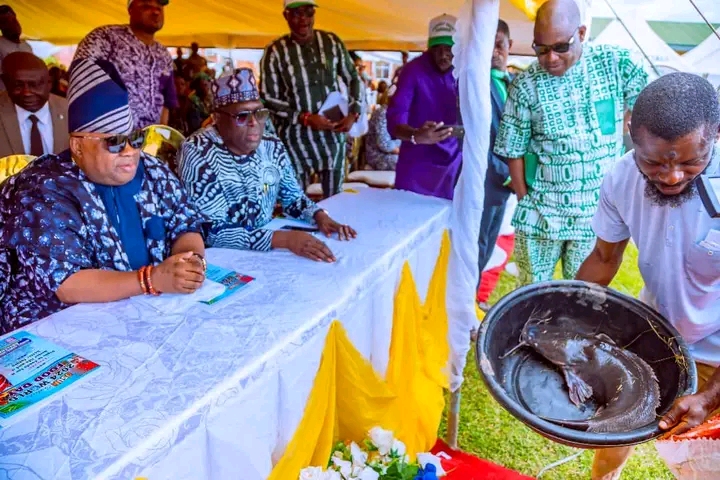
(148, 272)
(141, 279)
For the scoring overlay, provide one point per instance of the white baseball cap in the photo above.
(299, 3)
(442, 29)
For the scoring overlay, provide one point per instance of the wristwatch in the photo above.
(412, 137)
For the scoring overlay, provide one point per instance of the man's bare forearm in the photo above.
(603, 263)
(517, 176)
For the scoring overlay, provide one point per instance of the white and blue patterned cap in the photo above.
(97, 99)
(238, 87)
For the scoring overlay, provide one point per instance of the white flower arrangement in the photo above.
(384, 458)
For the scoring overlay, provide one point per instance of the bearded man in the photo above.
(650, 197)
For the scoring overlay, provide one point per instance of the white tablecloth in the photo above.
(217, 392)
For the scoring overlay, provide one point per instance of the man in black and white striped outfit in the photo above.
(298, 72)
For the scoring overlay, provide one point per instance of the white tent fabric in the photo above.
(705, 58)
(654, 47)
(474, 40)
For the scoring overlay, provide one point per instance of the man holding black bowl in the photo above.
(651, 197)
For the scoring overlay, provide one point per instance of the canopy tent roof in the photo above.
(705, 58)
(362, 24)
(647, 40)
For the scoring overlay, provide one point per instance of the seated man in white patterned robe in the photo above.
(235, 175)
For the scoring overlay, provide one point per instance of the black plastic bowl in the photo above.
(528, 386)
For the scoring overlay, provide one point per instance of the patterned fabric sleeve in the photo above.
(271, 86)
(515, 129)
(385, 142)
(294, 201)
(96, 44)
(349, 74)
(634, 77)
(184, 218)
(169, 93)
(48, 234)
(206, 194)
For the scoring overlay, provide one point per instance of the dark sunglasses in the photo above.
(117, 143)
(562, 47)
(308, 12)
(241, 118)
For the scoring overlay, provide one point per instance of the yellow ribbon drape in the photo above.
(529, 7)
(348, 397)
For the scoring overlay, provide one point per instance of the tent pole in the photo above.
(453, 419)
(706, 20)
(632, 37)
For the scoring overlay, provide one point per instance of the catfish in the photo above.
(622, 383)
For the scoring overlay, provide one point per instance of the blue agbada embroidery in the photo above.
(53, 224)
(155, 228)
(122, 210)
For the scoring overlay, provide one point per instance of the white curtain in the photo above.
(474, 41)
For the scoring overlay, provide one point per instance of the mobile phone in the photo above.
(300, 229)
(458, 131)
(334, 114)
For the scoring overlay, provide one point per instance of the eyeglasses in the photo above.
(117, 143)
(562, 47)
(308, 12)
(241, 118)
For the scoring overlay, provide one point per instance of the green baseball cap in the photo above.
(442, 29)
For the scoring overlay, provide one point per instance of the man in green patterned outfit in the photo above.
(297, 73)
(560, 132)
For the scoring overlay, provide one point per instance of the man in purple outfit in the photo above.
(144, 64)
(421, 114)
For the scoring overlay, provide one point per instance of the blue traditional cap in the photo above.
(97, 99)
(240, 86)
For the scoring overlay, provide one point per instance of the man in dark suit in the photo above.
(497, 180)
(32, 121)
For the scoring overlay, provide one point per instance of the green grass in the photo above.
(489, 432)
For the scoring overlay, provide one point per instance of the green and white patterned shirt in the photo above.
(297, 78)
(569, 129)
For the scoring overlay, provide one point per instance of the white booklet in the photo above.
(171, 303)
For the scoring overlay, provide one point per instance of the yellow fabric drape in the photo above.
(12, 164)
(348, 397)
(530, 7)
(361, 24)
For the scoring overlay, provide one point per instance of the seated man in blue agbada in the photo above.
(86, 225)
(235, 175)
